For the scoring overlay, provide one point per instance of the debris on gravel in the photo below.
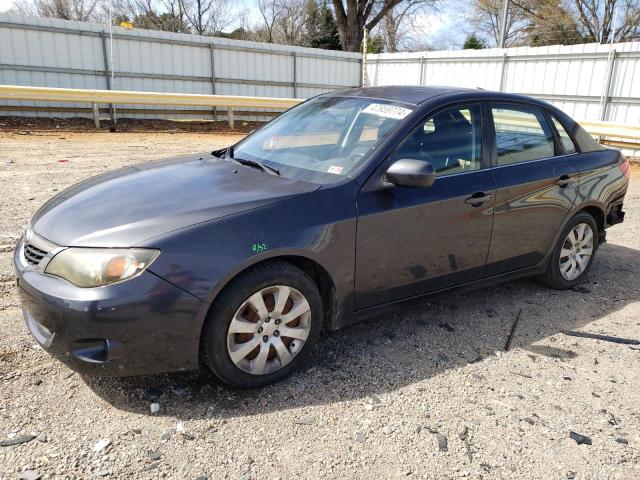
(19, 440)
(580, 439)
(304, 420)
(442, 442)
(447, 327)
(101, 445)
(29, 475)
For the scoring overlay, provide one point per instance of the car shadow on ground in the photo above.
(420, 340)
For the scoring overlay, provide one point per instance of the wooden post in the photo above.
(232, 124)
(96, 114)
(364, 80)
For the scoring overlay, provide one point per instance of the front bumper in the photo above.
(143, 326)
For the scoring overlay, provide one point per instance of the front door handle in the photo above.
(564, 180)
(478, 198)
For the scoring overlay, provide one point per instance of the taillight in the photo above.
(625, 167)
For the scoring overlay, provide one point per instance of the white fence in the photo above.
(589, 82)
(58, 53)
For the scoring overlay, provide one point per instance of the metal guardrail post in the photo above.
(295, 75)
(213, 78)
(604, 99)
(420, 82)
(107, 74)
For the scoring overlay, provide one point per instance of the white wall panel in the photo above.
(59, 53)
(571, 77)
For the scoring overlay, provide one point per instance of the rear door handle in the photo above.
(564, 180)
(478, 198)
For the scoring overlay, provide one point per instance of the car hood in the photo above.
(125, 207)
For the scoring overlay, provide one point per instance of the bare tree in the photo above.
(629, 27)
(486, 18)
(270, 11)
(290, 24)
(545, 22)
(353, 16)
(282, 21)
(596, 18)
(81, 10)
(398, 27)
(207, 16)
(162, 15)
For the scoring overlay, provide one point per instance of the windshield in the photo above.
(323, 139)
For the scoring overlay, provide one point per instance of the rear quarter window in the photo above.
(565, 139)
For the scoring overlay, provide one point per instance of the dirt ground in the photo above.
(426, 392)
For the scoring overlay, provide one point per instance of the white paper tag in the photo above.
(335, 169)
(387, 111)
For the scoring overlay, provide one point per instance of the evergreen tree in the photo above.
(321, 30)
(473, 43)
(375, 44)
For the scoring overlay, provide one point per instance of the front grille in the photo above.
(33, 255)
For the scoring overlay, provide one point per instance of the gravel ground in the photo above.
(426, 392)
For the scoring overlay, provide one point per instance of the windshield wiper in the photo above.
(228, 153)
(255, 163)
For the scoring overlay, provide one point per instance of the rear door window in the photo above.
(522, 134)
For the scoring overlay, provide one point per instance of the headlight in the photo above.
(93, 267)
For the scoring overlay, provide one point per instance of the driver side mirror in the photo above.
(411, 173)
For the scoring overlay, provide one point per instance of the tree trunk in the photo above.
(353, 36)
(350, 26)
(352, 21)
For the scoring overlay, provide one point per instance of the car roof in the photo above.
(416, 95)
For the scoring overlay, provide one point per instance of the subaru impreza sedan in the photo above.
(343, 206)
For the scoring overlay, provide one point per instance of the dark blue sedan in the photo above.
(345, 205)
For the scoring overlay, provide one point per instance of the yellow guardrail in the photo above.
(623, 132)
(95, 97)
(611, 129)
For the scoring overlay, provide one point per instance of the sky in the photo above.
(441, 29)
(445, 28)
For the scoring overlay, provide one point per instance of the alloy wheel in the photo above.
(576, 251)
(269, 329)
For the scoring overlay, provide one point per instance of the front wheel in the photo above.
(262, 326)
(573, 255)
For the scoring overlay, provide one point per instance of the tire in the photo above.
(264, 283)
(559, 261)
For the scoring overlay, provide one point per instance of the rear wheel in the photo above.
(573, 255)
(263, 325)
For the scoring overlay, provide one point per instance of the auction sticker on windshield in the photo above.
(387, 111)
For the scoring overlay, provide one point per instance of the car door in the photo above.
(536, 187)
(413, 240)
